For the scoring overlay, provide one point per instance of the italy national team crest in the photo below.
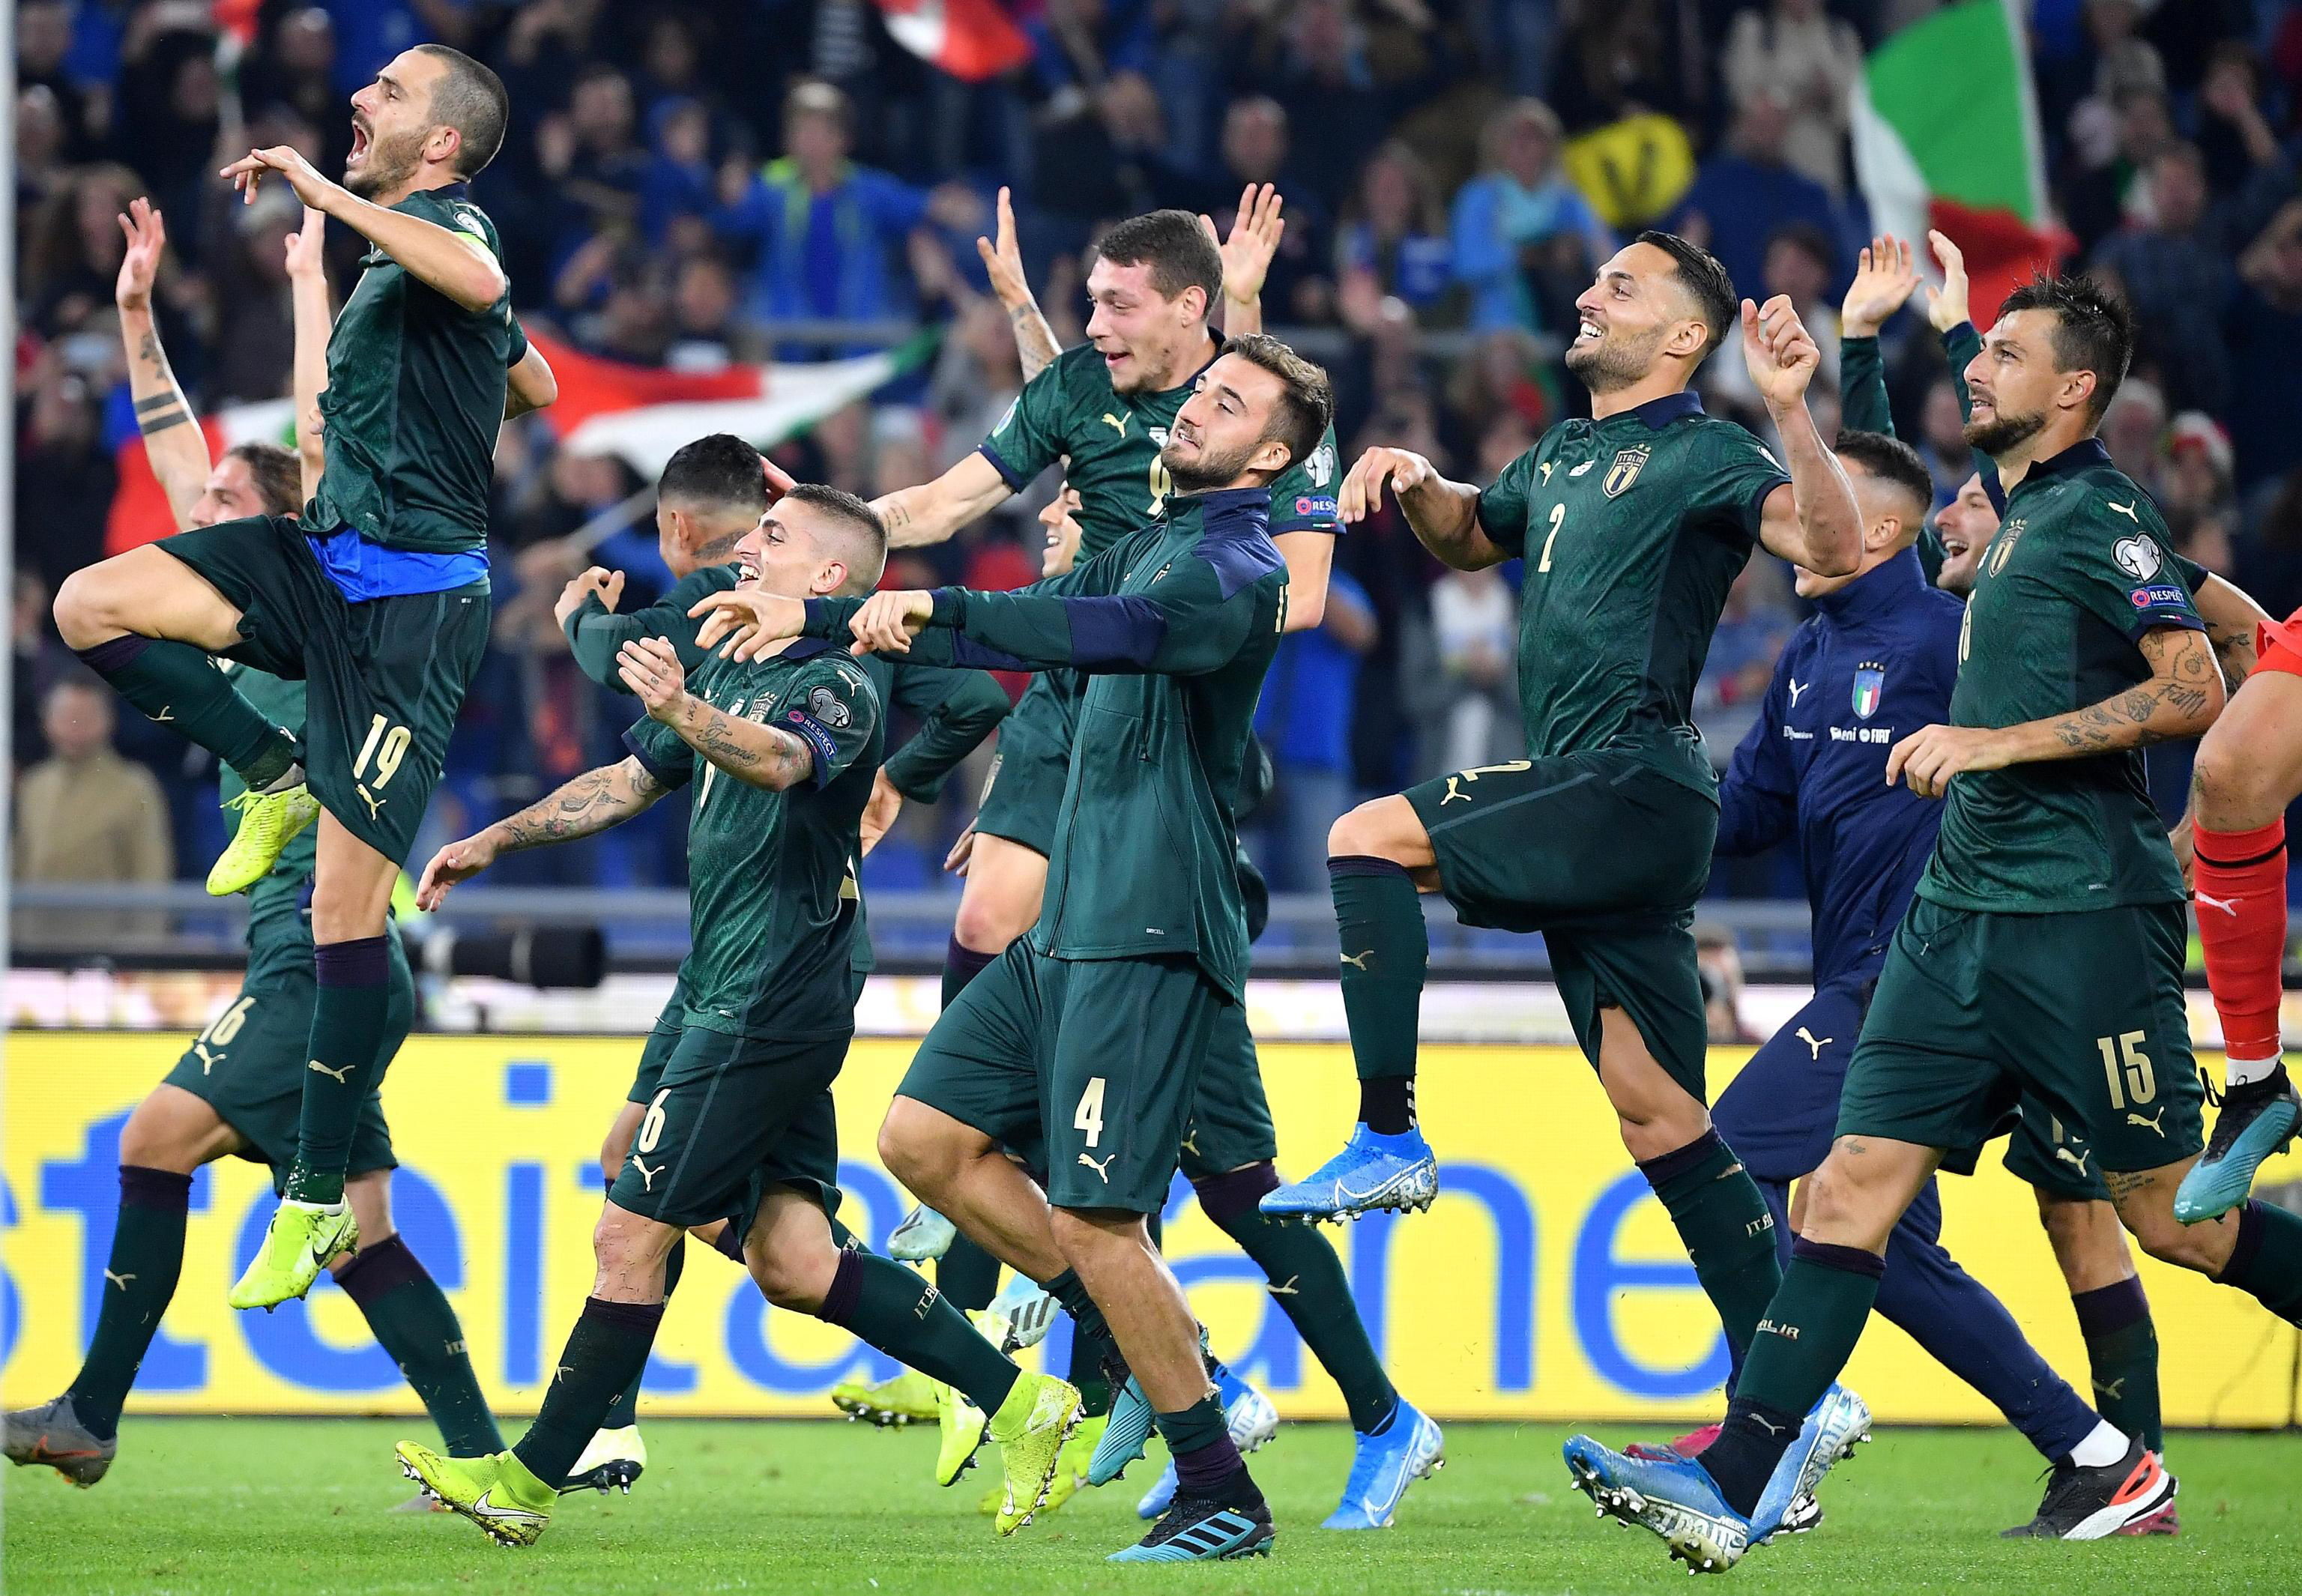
(1869, 686)
(1625, 471)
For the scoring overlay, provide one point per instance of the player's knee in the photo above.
(2231, 792)
(1356, 833)
(147, 1141)
(87, 608)
(625, 1243)
(796, 1279)
(987, 921)
(915, 1150)
(1844, 1209)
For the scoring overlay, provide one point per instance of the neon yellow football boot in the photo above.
(909, 1398)
(498, 1492)
(1071, 1469)
(960, 1424)
(1030, 1430)
(297, 1245)
(268, 823)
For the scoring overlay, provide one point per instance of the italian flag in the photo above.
(973, 40)
(1946, 134)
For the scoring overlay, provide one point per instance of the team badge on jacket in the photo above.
(1869, 686)
(1625, 471)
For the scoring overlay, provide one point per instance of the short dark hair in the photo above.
(719, 469)
(1891, 460)
(858, 521)
(471, 99)
(1306, 399)
(1175, 246)
(2093, 330)
(1698, 272)
(278, 474)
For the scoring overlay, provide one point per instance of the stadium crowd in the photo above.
(690, 185)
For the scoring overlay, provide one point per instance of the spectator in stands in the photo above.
(293, 66)
(704, 334)
(1718, 964)
(1334, 110)
(1798, 263)
(1795, 52)
(2178, 280)
(2134, 431)
(1469, 704)
(1622, 57)
(2131, 130)
(2263, 331)
(40, 145)
(1256, 149)
(1304, 719)
(64, 475)
(1522, 232)
(1942, 440)
(72, 248)
(675, 183)
(84, 814)
(169, 115)
(43, 36)
(1102, 157)
(1395, 230)
(1746, 193)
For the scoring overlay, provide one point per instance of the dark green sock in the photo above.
(346, 1067)
(2121, 1347)
(887, 1306)
(1805, 1339)
(967, 1275)
(1386, 953)
(140, 1277)
(1308, 1280)
(178, 685)
(412, 1321)
(608, 1344)
(626, 1407)
(1728, 1230)
(2266, 1262)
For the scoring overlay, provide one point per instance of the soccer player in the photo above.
(378, 600)
(1106, 408)
(780, 750)
(1086, 1041)
(2043, 951)
(1633, 525)
(237, 1088)
(713, 492)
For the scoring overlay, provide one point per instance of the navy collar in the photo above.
(1232, 512)
(1659, 413)
(807, 648)
(2082, 455)
(452, 191)
(1889, 585)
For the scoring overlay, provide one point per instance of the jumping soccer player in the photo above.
(238, 1088)
(2043, 951)
(1633, 526)
(740, 1127)
(378, 600)
(711, 494)
(1086, 1041)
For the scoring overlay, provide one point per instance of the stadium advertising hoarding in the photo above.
(1545, 1284)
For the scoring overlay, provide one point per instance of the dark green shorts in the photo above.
(729, 1118)
(1977, 1013)
(2044, 1153)
(1605, 856)
(1230, 1119)
(249, 1064)
(383, 679)
(1024, 793)
(1095, 1062)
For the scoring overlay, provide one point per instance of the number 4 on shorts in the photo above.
(1089, 1117)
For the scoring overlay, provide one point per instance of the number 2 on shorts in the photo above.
(1089, 1117)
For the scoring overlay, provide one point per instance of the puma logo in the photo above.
(647, 1175)
(1454, 791)
(208, 1061)
(1358, 961)
(1101, 1170)
(2127, 510)
(1814, 1045)
(374, 804)
(2111, 1390)
(1190, 1143)
(2153, 1124)
(2227, 906)
(164, 717)
(1288, 1290)
(120, 1281)
(1770, 1428)
(342, 1077)
(2077, 1161)
(1117, 423)
(1546, 467)
(562, 1372)
(1798, 687)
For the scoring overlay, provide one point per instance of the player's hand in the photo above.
(879, 809)
(2183, 839)
(1253, 242)
(890, 619)
(651, 667)
(307, 253)
(744, 624)
(1002, 259)
(1884, 277)
(457, 861)
(1947, 305)
(1061, 518)
(961, 855)
(608, 586)
(148, 242)
(248, 172)
(1779, 352)
(1931, 756)
(1361, 494)
(780, 482)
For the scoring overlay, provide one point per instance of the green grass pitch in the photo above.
(219, 1505)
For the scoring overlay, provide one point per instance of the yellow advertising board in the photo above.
(1546, 1283)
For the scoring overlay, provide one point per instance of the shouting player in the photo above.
(238, 1089)
(378, 600)
(739, 1126)
(2043, 951)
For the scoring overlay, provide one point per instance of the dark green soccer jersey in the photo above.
(1633, 529)
(278, 931)
(414, 398)
(1173, 629)
(2079, 569)
(771, 894)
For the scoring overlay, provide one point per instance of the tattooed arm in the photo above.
(766, 756)
(591, 803)
(2181, 698)
(172, 440)
(2231, 615)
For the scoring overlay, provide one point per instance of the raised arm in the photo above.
(1444, 514)
(172, 440)
(2231, 616)
(764, 756)
(1884, 278)
(1256, 231)
(1812, 520)
(456, 263)
(932, 511)
(1002, 264)
(591, 803)
(314, 319)
(2181, 699)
